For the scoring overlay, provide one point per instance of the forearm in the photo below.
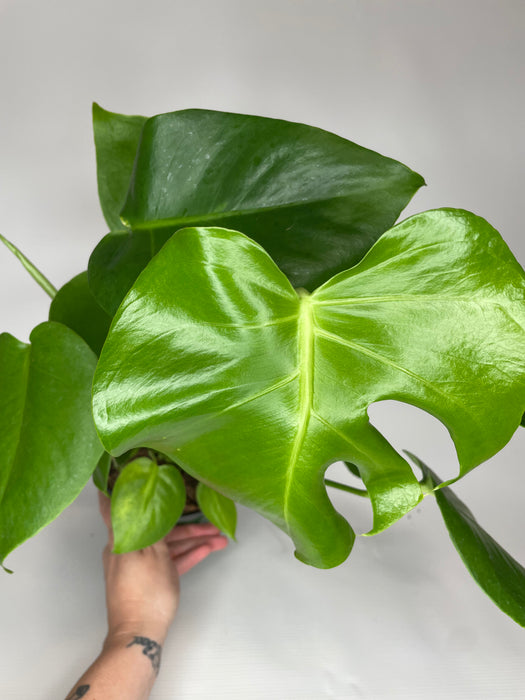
(126, 668)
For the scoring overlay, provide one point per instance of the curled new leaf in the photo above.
(215, 360)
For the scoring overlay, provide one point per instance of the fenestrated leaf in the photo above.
(494, 570)
(315, 201)
(214, 360)
(48, 443)
(219, 510)
(74, 305)
(116, 140)
(146, 502)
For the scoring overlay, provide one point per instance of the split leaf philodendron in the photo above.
(252, 299)
(241, 359)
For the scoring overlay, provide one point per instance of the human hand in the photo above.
(142, 587)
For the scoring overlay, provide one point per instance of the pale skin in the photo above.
(142, 596)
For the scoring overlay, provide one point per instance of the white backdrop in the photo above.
(437, 85)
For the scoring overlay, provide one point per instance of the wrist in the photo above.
(123, 634)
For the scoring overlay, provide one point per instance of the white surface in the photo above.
(438, 86)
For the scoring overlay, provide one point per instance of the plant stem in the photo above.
(33, 271)
(344, 487)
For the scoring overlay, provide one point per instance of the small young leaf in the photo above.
(48, 444)
(146, 502)
(116, 139)
(75, 307)
(494, 570)
(219, 509)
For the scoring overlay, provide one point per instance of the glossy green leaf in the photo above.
(315, 201)
(219, 510)
(101, 473)
(116, 140)
(48, 443)
(494, 570)
(74, 305)
(215, 360)
(146, 502)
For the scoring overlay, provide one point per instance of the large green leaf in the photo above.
(315, 201)
(216, 361)
(494, 570)
(74, 305)
(146, 502)
(48, 443)
(116, 140)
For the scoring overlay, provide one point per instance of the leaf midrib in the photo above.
(306, 377)
(188, 221)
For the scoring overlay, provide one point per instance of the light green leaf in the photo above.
(214, 360)
(314, 200)
(494, 570)
(48, 443)
(146, 502)
(219, 510)
(75, 307)
(116, 140)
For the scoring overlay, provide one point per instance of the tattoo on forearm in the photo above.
(78, 693)
(151, 649)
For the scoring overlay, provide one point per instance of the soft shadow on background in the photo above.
(438, 86)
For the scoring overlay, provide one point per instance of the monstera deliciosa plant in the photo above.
(252, 299)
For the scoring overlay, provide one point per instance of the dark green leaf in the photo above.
(315, 201)
(214, 360)
(353, 469)
(219, 510)
(116, 140)
(146, 502)
(75, 307)
(48, 444)
(523, 420)
(101, 473)
(494, 570)
(116, 263)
